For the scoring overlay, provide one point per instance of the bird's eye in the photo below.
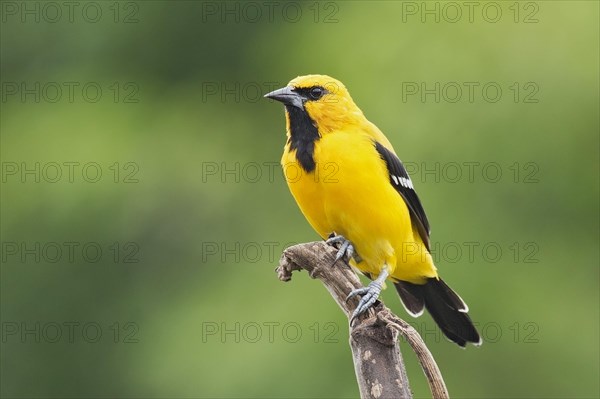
(316, 93)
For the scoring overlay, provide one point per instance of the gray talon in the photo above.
(358, 291)
(369, 294)
(346, 248)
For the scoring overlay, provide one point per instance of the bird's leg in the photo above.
(346, 247)
(369, 294)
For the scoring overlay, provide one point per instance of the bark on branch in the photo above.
(378, 363)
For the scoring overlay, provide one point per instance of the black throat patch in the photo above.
(303, 134)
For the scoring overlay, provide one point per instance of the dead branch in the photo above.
(378, 363)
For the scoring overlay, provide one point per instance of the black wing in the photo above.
(401, 181)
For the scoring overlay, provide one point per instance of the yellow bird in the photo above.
(355, 192)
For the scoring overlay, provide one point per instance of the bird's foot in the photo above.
(369, 294)
(345, 247)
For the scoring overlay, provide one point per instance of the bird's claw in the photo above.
(346, 247)
(370, 294)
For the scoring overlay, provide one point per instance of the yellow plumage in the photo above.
(348, 182)
(349, 192)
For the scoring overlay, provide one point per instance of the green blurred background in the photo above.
(191, 215)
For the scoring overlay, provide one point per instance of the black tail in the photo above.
(448, 310)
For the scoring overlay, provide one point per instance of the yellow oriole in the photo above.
(354, 191)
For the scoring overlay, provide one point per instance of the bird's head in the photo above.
(323, 99)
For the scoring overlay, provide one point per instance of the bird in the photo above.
(357, 195)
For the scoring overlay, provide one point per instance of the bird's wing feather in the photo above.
(401, 181)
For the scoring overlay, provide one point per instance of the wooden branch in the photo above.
(378, 363)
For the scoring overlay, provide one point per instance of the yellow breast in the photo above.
(349, 193)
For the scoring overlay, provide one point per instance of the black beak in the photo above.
(287, 96)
